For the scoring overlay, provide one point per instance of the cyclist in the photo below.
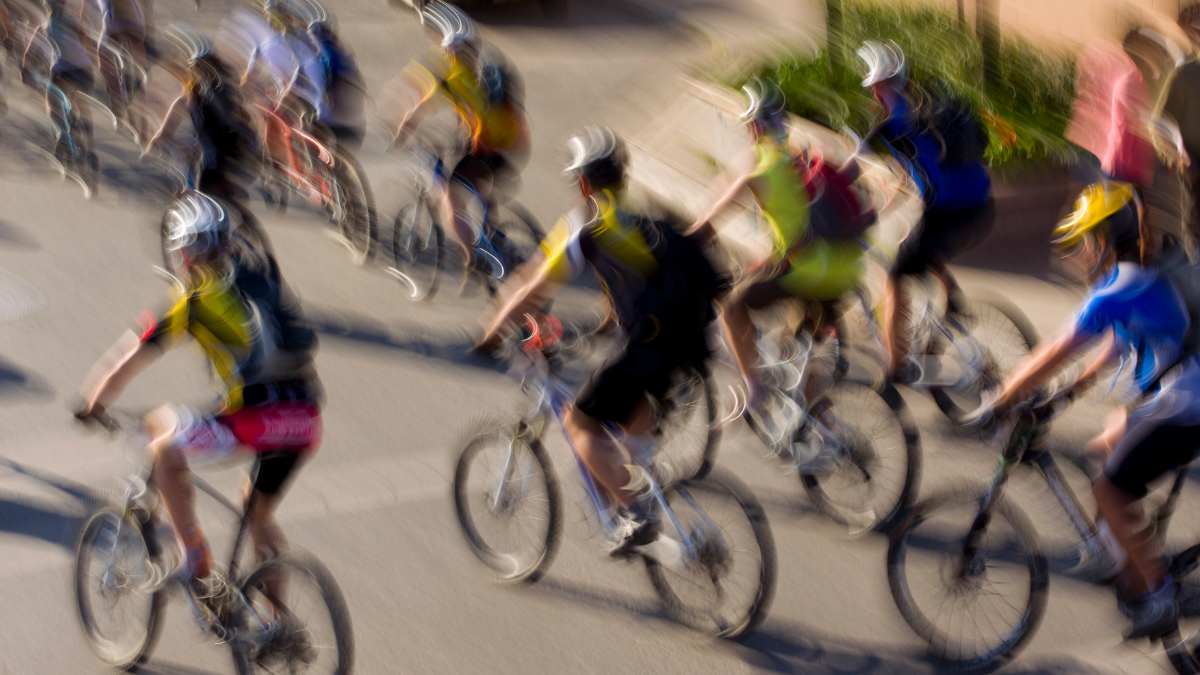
(1139, 310)
(481, 92)
(213, 102)
(70, 63)
(801, 264)
(128, 24)
(256, 338)
(956, 190)
(661, 289)
(344, 111)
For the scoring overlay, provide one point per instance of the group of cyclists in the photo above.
(663, 289)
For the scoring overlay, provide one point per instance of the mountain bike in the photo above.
(969, 561)
(713, 565)
(123, 577)
(960, 352)
(333, 181)
(506, 235)
(855, 447)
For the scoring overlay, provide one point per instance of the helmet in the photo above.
(764, 102)
(598, 156)
(493, 79)
(197, 228)
(885, 61)
(457, 29)
(191, 42)
(1107, 206)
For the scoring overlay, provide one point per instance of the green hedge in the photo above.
(1025, 113)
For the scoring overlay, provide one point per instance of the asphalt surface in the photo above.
(375, 504)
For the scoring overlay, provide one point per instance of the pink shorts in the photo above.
(204, 438)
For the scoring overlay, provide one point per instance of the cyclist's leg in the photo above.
(918, 252)
(755, 292)
(456, 201)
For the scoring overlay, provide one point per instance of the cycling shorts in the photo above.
(478, 169)
(612, 393)
(1149, 450)
(273, 430)
(941, 235)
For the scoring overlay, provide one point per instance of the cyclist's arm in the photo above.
(169, 124)
(1111, 351)
(1041, 365)
(114, 381)
(702, 230)
(414, 116)
(527, 299)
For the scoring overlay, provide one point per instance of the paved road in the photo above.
(374, 505)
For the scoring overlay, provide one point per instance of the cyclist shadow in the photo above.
(15, 383)
(158, 668)
(55, 522)
(457, 351)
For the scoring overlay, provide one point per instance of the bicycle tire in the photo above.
(504, 564)
(692, 389)
(520, 237)
(356, 220)
(418, 249)
(820, 486)
(937, 641)
(714, 553)
(139, 652)
(248, 646)
(998, 366)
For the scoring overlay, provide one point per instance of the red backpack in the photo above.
(835, 210)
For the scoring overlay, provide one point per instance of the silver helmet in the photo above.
(191, 42)
(764, 102)
(456, 28)
(598, 155)
(885, 61)
(197, 229)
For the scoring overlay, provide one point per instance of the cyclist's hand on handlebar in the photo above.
(93, 413)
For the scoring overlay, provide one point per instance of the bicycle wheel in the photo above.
(355, 216)
(417, 249)
(516, 236)
(876, 453)
(725, 588)
(687, 428)
(936, 587)
(116, 588)
(294, 620)
(508, 503)
(1184, 652)
(996, 337)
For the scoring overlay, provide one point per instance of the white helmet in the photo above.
(457, 29)
(598, 155)
(197, 229)
(885, 61)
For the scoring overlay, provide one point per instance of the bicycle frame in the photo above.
(312, 184)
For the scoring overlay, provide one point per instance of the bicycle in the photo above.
(122, 570)
(505, 236)
(855, 447)
(125, 79)
(959, 353)
(333, 181)
(72, 139)
(697, 550)
(977, 541)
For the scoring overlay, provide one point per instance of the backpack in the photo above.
(835, 210)
(223, 127)
(682, 290)
(285, 342)
(950, 119)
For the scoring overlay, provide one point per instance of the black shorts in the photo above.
(612, 393)
(276, 468)
(941, 235)
(481, 170)
(79, 79)
(1149, 450)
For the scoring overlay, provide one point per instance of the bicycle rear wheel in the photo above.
(1004, 336)
(508, 503)
(294, 620)
(725, 588)
(117, 590)
(516, 236)
(876, 458)
(355, 210)
(687, 429)
(949, 598)
(417, 249)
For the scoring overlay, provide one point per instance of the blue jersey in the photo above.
(944, 185)
(1145, 312)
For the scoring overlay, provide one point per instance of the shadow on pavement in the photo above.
(160, 668)
(16, 383)
(605, 599)
(16, 237)
(54, 523)
(367, 332)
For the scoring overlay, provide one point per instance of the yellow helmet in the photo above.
(1095, 205)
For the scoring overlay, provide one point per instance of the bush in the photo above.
(1025, 112)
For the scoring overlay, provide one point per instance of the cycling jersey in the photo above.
(64, 34)
(494, 127)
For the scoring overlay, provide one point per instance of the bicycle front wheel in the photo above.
(975, 609)
(417, 249)
(687, 429)
(508, 503)
(294, 620)
(875, 456)
(117, 590)
(991, 338)
(355, 210)
(722, 579)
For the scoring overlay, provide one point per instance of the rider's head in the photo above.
(598, 159)
(887, 68)
(281, 14)
(1102, 230)
(199, 232)
(457, 32)
(765, 108)
(192, 56)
